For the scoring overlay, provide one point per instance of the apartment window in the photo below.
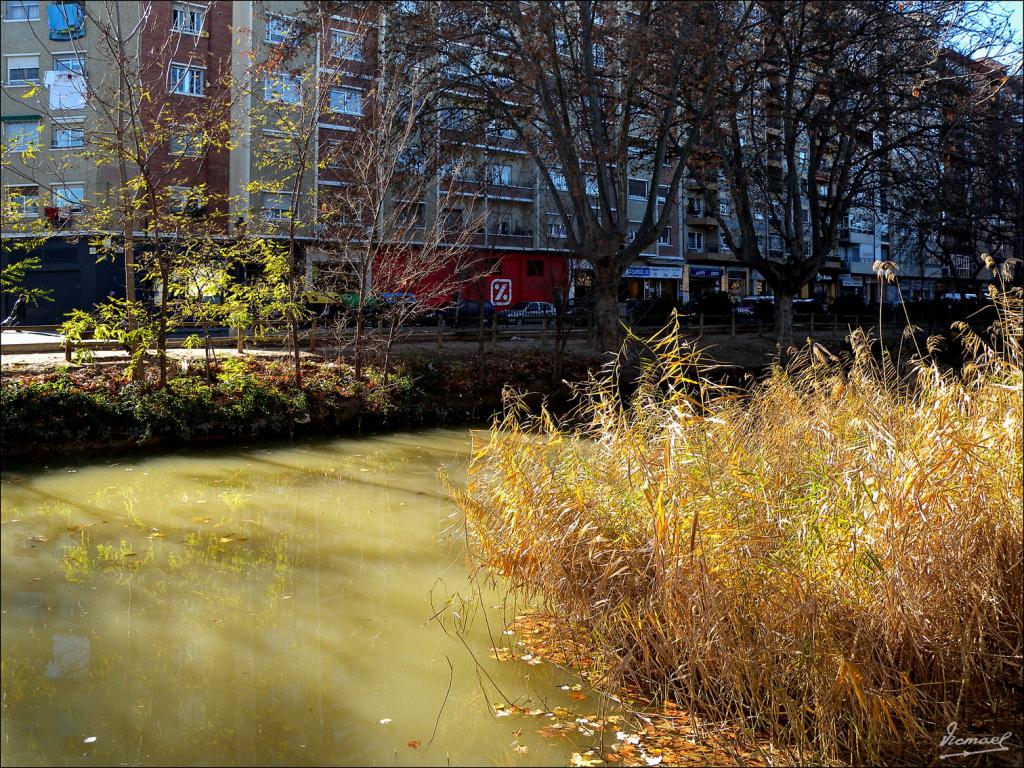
(695, 242)
(69, 196)
(556, 229)
(495, 130)
(598, 55)
(277, 206)
(416, 216)
(499, 175)
(774, 245)
(66, 137)
(411, 160)
(184, 199)
(665, 238)
(22, 70)
(72, 63)
(21, 10)
(286, 89)
(535, 267)
(346, 45)
(662, 194)
(186, 142)
(24, 201)
(453, 219)
(279, 29)
(559, 182)
(347, 101)
(20, 137)
(637, 189)
(723, 208)
(631, 236)
(187, 19)
(187, 80)
(823, 190)
(500, 224)
(591, 186)
(695, 206)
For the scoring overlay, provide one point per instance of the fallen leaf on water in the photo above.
(653, 760)
(414, 743)
(201, 519)
(384, 721)
(225, 539)
(501, 654)
(39, 539)
(577, 696)
(157, 535)
(89, 739)
(520, 748)
(581, 760)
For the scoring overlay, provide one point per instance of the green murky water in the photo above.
(267, 605)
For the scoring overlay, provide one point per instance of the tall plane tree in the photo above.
(596, 93)
(823, 101)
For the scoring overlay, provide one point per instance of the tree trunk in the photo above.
(784, 322)
(161, 339)
(359, 344)
(606, 308)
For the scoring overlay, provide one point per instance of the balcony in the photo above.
(475, 188)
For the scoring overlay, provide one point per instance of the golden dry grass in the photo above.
(832, 559)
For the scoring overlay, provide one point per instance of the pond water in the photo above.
(264, 605)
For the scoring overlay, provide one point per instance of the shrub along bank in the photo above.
(78, 408)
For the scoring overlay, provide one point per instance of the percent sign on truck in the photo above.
(501, 292)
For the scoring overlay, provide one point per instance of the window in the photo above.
(73, 63)
(500, 224)
(723, 208)
(21, 10)
(591, 186)
(411, 160)
(20, 137)
(187, 80)
(665, 238)
(277, 206)
(774, 245)
(279, 29)
(415, 216)
(535, 268)
(187, 19)
(499, 175)
(69, 196)
(662, 194)
(186, 142)
(66, 137)
(631, 236)
(495, 130)
(22, 70)
(286, 89)
(346, 45)
(598, 50)
(347, 101)
(24, 201)
(66, 20)
(556, 229)
(695, 207)
(637, 189)
(558, 180)
(695, 242)
(458, 119)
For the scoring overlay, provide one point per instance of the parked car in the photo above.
(527, 312)
(755, 306)
(465, 312)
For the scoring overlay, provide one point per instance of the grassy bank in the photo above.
(831, 560)
(75, 408)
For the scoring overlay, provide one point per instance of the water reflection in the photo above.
(267, 606)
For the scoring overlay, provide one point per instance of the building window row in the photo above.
(188, 19)
(188, 79)
(25, 135)
(24, 199)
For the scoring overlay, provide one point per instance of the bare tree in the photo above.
(825, 103)
(596, 93)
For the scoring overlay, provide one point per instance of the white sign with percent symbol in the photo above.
(501, 292)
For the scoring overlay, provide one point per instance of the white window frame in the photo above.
(499, 174)
(647, 189)
(274, 39)
(20, 4)
(75, 207)
(283, 83)
(697, 240)
(190, 71)
(347, 101)
(695, 207)
(24, 146)
(188, 11)
(287, 210)
(22, 80)
(58, 128)
(665, 236)
(77, 57)
(351, 49)
(189, 148)
(662, 198)
(557, 228)
(20, 206)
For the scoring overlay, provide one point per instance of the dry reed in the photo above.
(832, 558)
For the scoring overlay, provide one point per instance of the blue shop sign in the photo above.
(705, 272)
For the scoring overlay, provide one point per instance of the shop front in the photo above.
(643, 281)
(851, 285)
(703, 280)
(739, 284)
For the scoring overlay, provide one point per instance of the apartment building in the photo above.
(57, 73)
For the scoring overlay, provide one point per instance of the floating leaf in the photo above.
(653, 760)
(384, 720)
(414, 743)
(89, 739)
(520, 748)
(581, 760)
